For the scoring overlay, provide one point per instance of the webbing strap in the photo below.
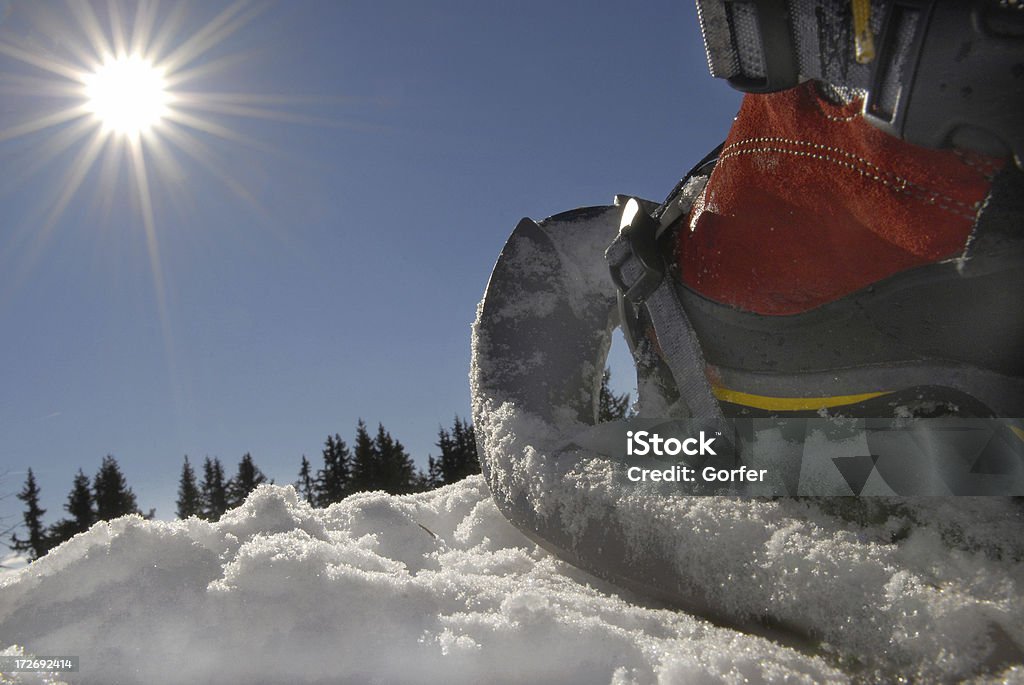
(936, 73)
(638, 270)
(771, 45)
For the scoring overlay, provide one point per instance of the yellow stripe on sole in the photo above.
(790, 403)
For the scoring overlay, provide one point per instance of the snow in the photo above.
(431, 588)
(930, 588)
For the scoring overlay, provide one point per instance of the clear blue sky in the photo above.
(326, 267)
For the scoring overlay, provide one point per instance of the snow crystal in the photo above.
(432, 588)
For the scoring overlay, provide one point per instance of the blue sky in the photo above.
(320, 263)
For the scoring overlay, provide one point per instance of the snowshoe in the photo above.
(899, 374)
(541, 336)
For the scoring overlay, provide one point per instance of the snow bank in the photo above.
(424, 589)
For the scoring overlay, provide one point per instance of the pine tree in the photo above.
(468, 462)
(458, 457)
(334, 480)
(422, 481)
(306, 485)
(37, 543)
(247, 478)
(190, 499)
(214, 490)
(445, 463)
(434, 477)
(397, 471)
(111, 493)
(79, 505)
(365, 462)
(611, 407)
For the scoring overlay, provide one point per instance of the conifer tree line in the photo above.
(380, 462)
(215, 494)
(106, 497)
(372, 462)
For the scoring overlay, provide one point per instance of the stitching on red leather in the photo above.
(819, 104)
(872, 171)
(833, 117)
(986, 168)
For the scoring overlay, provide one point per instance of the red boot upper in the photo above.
(809, 202)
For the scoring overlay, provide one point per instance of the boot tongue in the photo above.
(808, 203)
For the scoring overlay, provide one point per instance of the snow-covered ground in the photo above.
(432, 588)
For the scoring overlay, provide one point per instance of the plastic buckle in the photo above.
(902, 14)
(960, 77)
(638, 229)
(777, 50)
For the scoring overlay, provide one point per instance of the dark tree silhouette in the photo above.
(80, 506)
(458, 457)
(214, 490)
(365, 461)
(611, 407)
(396, 471)
(434, 477)
(190, 498)
(247, 478)
(306, 485)
(111, 493)
(334, 480)
(37, 543)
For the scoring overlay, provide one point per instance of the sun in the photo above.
(127, 95)
(122, 87)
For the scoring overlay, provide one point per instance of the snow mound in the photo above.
(430, 588)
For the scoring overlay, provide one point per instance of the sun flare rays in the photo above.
(124, 72)
(123, 87)
(114, 96)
